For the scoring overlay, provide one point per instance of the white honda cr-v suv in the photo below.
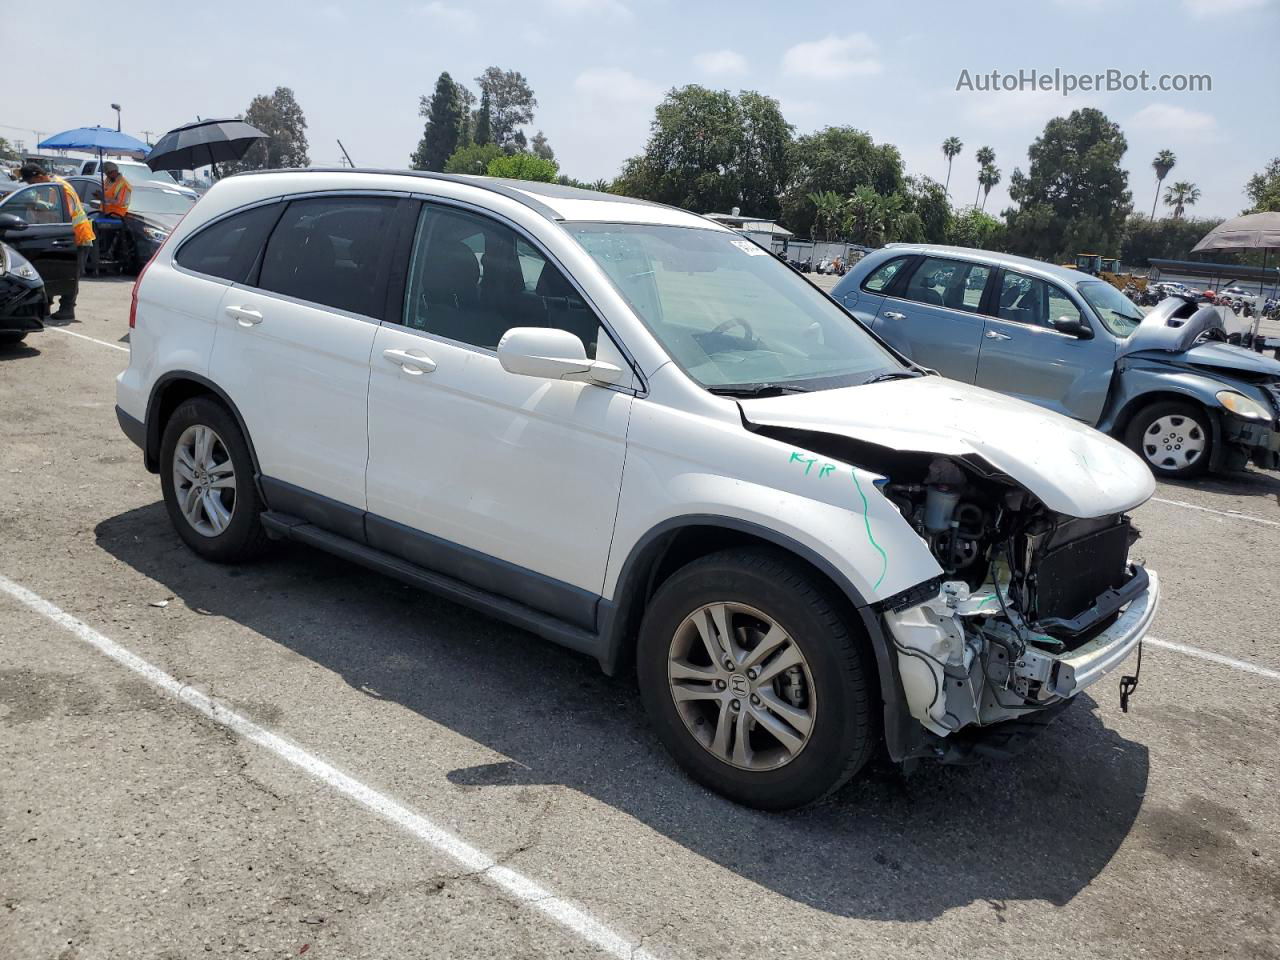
(636, 433)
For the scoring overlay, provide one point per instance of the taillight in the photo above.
(133, 300)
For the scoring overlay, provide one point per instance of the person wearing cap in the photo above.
(116, 193)
(33, 173)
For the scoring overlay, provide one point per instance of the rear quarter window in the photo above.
(880, 278)
(228, 247)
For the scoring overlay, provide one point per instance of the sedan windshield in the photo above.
(729, 314)
(1120, 314)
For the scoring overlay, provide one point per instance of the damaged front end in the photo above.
(1033, 606)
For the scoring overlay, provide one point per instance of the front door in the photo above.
(507, 482)
(934, 318)
(292, 350)
(1025, 357)
(49, 241)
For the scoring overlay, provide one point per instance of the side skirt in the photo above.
(288, 527)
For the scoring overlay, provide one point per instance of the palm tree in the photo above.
(829, 207)
(986, 158)
(1163, 163)
(951, 148)
(1180, 196)
(988, 177)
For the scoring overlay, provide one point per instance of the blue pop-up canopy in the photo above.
(101, 139)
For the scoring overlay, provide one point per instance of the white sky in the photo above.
(599, 67)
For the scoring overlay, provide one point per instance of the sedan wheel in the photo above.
(204, 480)
(741, 686)
(1174, 438)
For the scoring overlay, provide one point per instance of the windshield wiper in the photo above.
(894, 375)
(756, 390)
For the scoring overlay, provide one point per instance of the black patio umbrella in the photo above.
(1252, 231)
(203, 143)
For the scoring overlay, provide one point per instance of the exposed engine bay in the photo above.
(1023, 589)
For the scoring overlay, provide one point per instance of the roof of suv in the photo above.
(552, 200)
(1026, 264)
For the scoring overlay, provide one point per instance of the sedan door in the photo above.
(506, 482)
(49, 241)
(934, 316)
(1026, 356)
(292, 349)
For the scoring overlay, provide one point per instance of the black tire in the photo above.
(1192, 422)
(845, 726)
(243, 537)
(9, 337)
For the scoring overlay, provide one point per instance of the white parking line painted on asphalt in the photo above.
(1221, 513)
(511, 882)
(72, 333)
(1232, 662)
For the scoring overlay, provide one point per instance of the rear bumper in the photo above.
(132, 428)
(1086, 665)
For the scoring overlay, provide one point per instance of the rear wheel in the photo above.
(754, 681)
(207, 476)
(1173, 437)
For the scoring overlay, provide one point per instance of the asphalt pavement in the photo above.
(298, 757)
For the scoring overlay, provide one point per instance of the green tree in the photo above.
(281, 119)
(928, 201)
(484, 122)
(1181, 195)
(473, 158)
(829, 207)
(1075, 193)
(1263, 188)
(523, 166)
(710, 151)
(986, 157)
(840, 159)
(988, 177)
(951, 148)
(540, 146)
(973, 228)
(6, 150)
(511, 104)
(1166, 238)
(1162, 164)
(443, 131)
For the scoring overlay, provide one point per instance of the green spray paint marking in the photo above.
(827, 468)
(866, 519)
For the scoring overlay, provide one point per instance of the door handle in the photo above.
(894, 315)
(997, 335)
(411, 362)
(245, 316)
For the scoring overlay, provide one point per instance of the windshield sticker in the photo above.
(749, 248)
(826, 468)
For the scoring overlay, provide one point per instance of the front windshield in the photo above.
(729, 314)
(1118, 313)
(146, 200)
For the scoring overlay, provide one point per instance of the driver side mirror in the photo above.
(11, 222)
(552, 355)
(1074, 326)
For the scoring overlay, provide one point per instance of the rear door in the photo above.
(49, 241)
(1025, 357)
(292, 348)
(863, 299)
(933, 314)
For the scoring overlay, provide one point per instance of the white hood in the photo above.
(1071, 468)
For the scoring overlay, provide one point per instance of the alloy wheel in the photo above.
(1173, 442)
(742, 686)
(204, 480)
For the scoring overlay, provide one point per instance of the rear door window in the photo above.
(228, 248)
(329, 250)
(956, 284)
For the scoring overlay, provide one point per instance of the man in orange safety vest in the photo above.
(83, 229)
(116, 193)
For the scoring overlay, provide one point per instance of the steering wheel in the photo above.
(737, 322)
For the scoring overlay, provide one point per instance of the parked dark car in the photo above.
(1166, 383)
(153, 212)
(23, 305)
(46, 238)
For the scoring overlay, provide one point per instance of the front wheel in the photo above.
(1173, 437)
(755, 681)
(207, 475)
